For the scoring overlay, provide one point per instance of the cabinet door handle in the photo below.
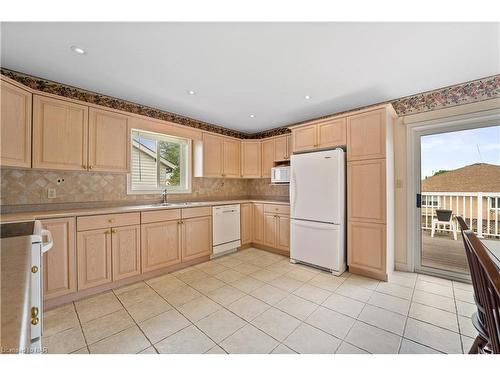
(90, 167)
(106, 232)
(113, 230)
(84, 166)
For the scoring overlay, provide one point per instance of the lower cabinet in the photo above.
(126, 251)
(277, 231)
(366, 248)
(258, 223)
(94, 258)
(246, 223)
(59, 264)
(160, 245)
(196, 237)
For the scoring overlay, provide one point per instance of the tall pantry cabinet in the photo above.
(370, 193)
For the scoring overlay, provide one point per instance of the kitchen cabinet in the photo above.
(367, 204)
(267, 157)
(251, 159)
(370, 193)
(221, 157)
(231, 152)
(108, 248)
(366, 135)
(258, 223)
(126, 251)
(282, 149)
(246, 223)
(277, 227)
(212, 155)
(94, 258)
(319, 135)
(15, 124)
(160, 244)
(60, 134)
(108, 141)
(59, 264)
(366, 249)
(196, 237)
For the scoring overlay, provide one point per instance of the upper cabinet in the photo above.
(221, 157)
(15, 126)
(324, 134)
(251, 159)
(281, 148)
(366, 135)
(267, 157)
(212, 155)
(231, 157)
(108, 141)
(60, 134)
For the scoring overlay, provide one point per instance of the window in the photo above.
(430, 201)
(159, 162)
(494, 203)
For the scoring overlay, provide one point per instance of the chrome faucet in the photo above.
(164, 197)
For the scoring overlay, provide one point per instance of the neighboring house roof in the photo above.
(480, 177)
(145, 149)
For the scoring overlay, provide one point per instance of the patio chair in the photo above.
(444, 218)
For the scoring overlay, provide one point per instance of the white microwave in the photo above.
(280, 175)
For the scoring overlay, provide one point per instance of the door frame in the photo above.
(414, 131)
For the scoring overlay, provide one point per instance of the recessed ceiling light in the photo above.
(252, 116)
(78, 50)
(191, 92)
(307, 97)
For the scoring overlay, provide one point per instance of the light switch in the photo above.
(51, 193)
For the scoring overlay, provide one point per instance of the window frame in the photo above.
(188, 162)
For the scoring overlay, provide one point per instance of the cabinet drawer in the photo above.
(196, 212)
(106, 221)
(277, 209)
(160, 215)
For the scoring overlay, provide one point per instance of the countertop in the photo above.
(32, 215)
(15, 294)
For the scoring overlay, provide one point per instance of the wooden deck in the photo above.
(443, 252)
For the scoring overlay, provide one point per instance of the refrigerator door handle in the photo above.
(293, 189)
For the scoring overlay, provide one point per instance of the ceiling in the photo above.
(260, 69)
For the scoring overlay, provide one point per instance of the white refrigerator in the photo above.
(317, 218)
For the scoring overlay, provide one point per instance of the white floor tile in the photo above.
(344, 305)
(395, 290)
(388, 320)
(331, 322)
(346, 348)
(248, 307)
(355, 292)
(249, 340)
(442, 290)
(188, 341)
(430, 335)
(372, 339)
(434, 300)
(312, 293)
(391, 303)
(411, 347)
(434, 316)
(276, 323)
(220, 325)
(309, 340)
(296, 306)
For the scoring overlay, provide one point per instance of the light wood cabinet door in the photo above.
(283, 233)
(160, 245)
(332, 133)
(212, 155)
(270, 229)
(108, 141)
(231, 152)
(196, 237)
(246, 222)
(304, 138)
(126, 251)
(267, 157)
(251, 159)
(94, 258)
(59, 264)
(366, 248)
(15, 141)
(258, 223)
(366, 196)
(281, 148)
(366, 135)
(60, 134)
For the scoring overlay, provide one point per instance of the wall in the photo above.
(29, 187)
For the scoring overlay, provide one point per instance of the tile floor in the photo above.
(253, 301)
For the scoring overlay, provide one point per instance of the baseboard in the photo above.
(403, 267)
(368, 273)
(271, 249)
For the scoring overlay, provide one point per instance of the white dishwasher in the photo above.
(226, 229)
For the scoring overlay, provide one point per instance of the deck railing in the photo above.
(481, 211)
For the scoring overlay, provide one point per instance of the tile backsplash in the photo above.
(20, 187)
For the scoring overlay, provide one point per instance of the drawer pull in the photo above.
(111, 220)
(34, 316)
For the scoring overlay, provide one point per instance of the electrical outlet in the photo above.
(51, 193)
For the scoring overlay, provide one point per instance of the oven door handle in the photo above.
(46, 246)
